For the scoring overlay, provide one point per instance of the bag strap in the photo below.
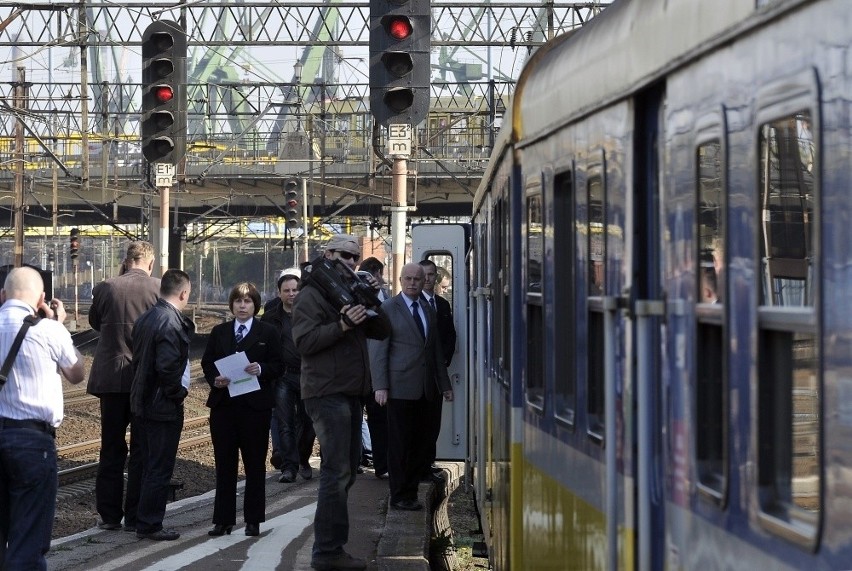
(29, 320)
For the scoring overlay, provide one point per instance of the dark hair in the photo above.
(372, 265)
(245, 289)
(173, 281)
(425, 263)
(285, 277)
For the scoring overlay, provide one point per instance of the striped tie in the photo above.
(240, 333)
(416, 312)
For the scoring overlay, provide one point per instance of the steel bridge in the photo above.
(275, 92)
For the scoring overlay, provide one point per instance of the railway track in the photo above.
(77, 480)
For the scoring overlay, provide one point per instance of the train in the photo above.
(659, 345)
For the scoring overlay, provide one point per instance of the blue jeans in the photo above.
(337, 421)
(295, 428)
(158, 446)
(28, 485)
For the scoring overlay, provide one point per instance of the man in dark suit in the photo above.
(447, 334)
(409, 375)
(116, 304)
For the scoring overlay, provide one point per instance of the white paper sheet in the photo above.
(185, 379)
(234, 368)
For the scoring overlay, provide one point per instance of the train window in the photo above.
(596, 280)
(535, 321)
(789, 387)
(711, 434)
(500, 332)
(564, 301)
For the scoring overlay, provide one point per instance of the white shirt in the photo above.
(34, 388)
(247, 324)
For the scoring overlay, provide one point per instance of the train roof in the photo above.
(628, 46)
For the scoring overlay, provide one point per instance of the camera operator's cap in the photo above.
(344, 243)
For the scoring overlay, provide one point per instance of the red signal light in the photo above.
(399, 27)
(292, 203)
(163, 93)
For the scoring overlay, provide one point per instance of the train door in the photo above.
(646, 305)
(447, 246)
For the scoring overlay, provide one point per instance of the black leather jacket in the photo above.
(160, 355)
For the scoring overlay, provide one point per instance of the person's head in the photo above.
(24, 284)
(288, 287)
(430, 274)
(175, 287)
(442, 282)
(375, 267)
(244, 300)
(140, 255)
(411, 280)
(709, 286)
(343, 247)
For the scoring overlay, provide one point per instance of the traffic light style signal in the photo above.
(164, 102)
(400, 74)
(75, 244)
(292, 204)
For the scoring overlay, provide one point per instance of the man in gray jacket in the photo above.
(116, 304)
(160, 384)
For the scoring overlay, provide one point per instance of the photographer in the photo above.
(332, 341)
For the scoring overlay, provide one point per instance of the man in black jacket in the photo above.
(447, 340)
(160, 384)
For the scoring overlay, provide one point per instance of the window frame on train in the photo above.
(595, 363)
(782, 328)
(533, 243)
(564, 298)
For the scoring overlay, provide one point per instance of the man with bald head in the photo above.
(30, 410)
(409, 375)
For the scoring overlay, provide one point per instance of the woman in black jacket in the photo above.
(240, 424)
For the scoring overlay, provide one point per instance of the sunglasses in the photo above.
(348, 256)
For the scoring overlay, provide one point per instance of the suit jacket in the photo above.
(403, 363)
(116, 304)
(446, 329)
(261, 345)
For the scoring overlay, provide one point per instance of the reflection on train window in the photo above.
(564, 298)
(789, 384)
(535, 322)
(596, 280)
(596, 239)
(500, 332)
(711, 387)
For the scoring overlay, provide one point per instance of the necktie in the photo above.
(240, 333)
(432, 303)
(416, 312)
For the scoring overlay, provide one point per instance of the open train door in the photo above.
(447, 245)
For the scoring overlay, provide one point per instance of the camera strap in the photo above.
(29, 320)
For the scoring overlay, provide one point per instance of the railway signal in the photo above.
(400, 74)
(292, 204)
(163, 120)
(75, 244)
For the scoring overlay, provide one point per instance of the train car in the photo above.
(660, 328)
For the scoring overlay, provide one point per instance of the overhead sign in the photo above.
(399, 140)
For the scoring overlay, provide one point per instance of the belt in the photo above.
(293, 370)
(39, 425)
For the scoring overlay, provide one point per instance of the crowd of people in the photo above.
(304, 367)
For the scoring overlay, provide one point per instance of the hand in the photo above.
(355, 314)
(52, 310)
(382, 397)
(221, 382)
(253, 369)
(448, 395)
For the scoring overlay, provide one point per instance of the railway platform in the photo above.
(389, 540)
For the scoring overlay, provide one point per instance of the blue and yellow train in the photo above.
(660, 344)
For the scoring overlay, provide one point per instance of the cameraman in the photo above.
(335, 376)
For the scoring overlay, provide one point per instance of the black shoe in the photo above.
(109, 526)
(161, 535)
(306, 471)
(359, 470)
(287, 477)
(382, 475)
(130, 527)
(252, 529)
(220, 529)
(433, 478)
(276, 460)
(407, 505)
(337, 561)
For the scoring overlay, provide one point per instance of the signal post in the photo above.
(400, 79)
(164, 114)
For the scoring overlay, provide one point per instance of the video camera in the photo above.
(330, 277)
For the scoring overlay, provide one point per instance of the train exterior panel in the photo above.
(659, 331)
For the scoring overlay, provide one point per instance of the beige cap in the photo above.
(345, 243)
